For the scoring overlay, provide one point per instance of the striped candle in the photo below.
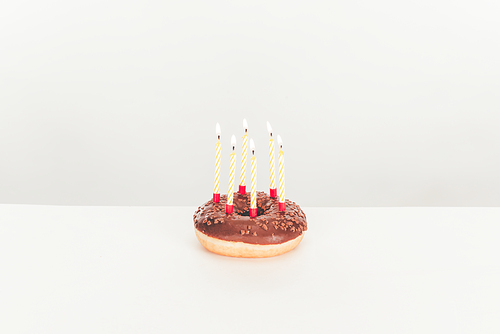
(253, 186)
(216, 195)
(272, 185)
(281, 166)
(244, 150)
(229, 204)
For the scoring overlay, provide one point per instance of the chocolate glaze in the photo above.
(271, 226)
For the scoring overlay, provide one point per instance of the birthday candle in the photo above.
(229, 204)
(272, 185)
(253, 187)
(216, 195)
(242, 187)
(281, 166)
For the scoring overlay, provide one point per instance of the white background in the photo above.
(141, 270)
(379, 103)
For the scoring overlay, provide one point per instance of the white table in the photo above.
(142, 270)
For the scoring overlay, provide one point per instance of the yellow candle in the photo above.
(281, 165)
(217, 164)
(272, 184)
(244, 154)
(253, 187)
(231, 172)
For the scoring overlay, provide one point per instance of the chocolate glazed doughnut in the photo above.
(271, 233)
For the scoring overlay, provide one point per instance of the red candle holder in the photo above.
(253, 212)
(273, 192)
(229, 208)
(242, 189)
(281, 206)
(216, 198)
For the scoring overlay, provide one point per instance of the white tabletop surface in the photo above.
(142, 270)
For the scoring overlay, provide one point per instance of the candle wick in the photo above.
(253, 152)
(218, 137)
(246, 130)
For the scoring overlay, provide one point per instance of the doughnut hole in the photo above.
(242, 204)
(260, 211)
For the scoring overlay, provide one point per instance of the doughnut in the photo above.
(271, 233)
